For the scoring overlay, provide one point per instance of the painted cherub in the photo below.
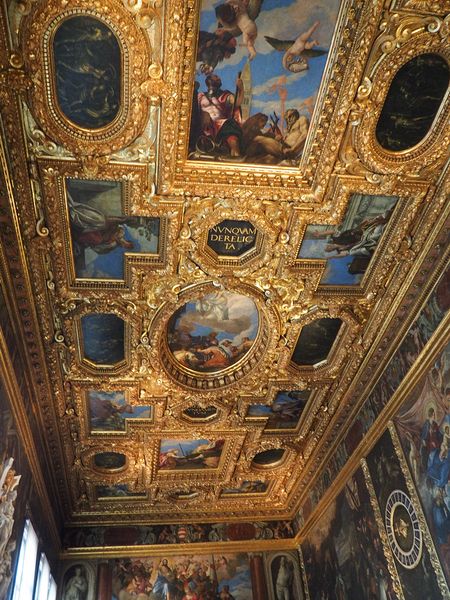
(238, 16)
(297, 52)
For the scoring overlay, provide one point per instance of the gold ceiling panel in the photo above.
(203, 315)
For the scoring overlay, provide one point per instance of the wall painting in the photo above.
(259, 68)
(343, 555)
(401, 513)
(109, 461)
(423, 426)
(189, 577)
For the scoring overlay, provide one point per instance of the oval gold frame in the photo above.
(210, 382)
(37, 42)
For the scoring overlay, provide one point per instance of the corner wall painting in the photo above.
(285, 411)
(258, 71)
(182, 455)
(102, 235)
(190, 577)
(423, 426)
(412, 102)
(348, 247)
(103, 338)
(389, 483)
(213, 332)
(110, 411)
(343, 555)
(87, 62)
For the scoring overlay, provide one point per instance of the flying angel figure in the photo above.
(238, 17)
(296, 52)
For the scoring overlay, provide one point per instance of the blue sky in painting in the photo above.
(284, 20)
(103, 338)
(111, 265)
(241, 320)
(187, 446)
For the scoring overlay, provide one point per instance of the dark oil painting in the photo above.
(214, 331)
(315, 341)
(284, 412)
(109, 411)
(412, 102)
(110, 460)
(181, 455)
(268, 458)
(102, 236)
(423, 425)
(348, 247)
(343, 555)
(387, 477)
(103, 338)
(259, 66)
(87, 60)
(232, 238)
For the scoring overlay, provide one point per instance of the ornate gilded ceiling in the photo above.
(218, 206)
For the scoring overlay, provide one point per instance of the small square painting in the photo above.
(109, 411)
(348, 247)
(103, 338)
(284, 412)
(102, 235)
(183, 455)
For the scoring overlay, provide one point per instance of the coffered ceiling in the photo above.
(215, 209)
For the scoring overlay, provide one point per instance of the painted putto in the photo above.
(259, 68)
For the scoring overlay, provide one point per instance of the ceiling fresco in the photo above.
(219, 205)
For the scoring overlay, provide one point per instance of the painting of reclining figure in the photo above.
(259, 66)
(349, 246)
(102, 235)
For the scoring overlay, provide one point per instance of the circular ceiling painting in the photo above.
(212, 333)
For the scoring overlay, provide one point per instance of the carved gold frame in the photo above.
(130, 121)
(202, 178)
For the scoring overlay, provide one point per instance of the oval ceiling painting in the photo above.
(213, 332)
(412, 102)
(87, 61)
(268, 458)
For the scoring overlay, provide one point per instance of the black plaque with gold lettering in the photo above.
(232, 238)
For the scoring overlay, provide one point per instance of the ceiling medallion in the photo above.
(214, 338)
